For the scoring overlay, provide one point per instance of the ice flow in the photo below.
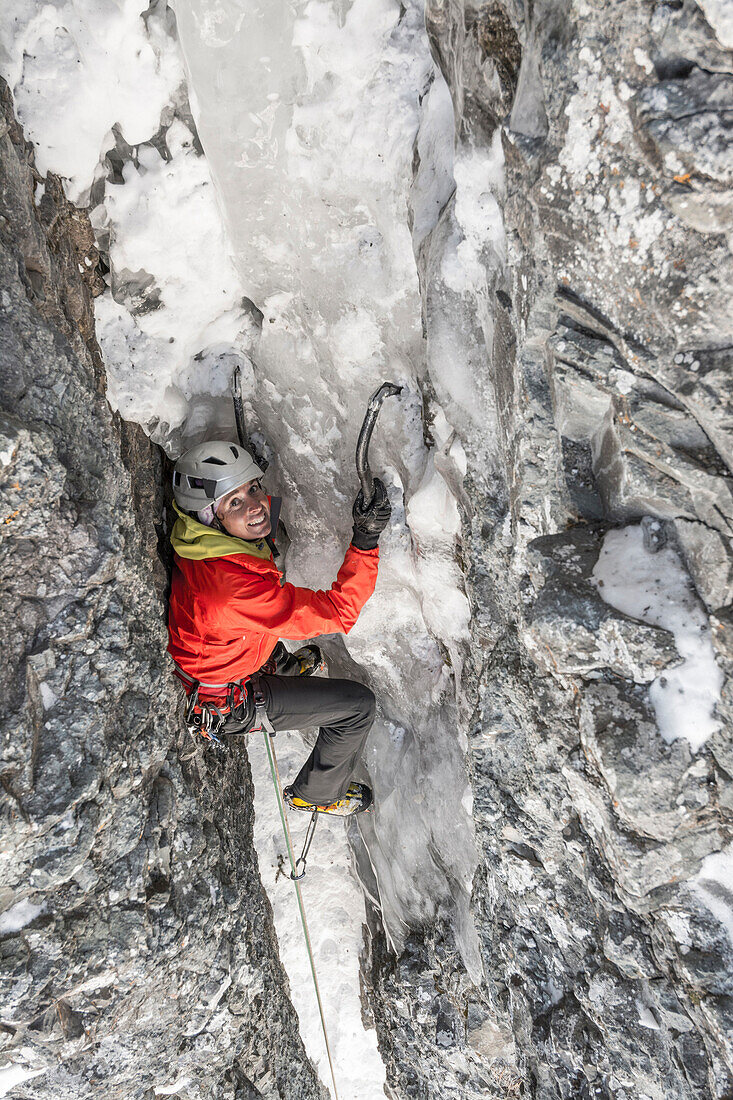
(308, 116)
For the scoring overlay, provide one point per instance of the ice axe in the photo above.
(242, 433)
(387, 389)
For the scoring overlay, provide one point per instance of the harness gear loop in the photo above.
(203, 723)
(303, 857)
(203, 717)
(275, 773)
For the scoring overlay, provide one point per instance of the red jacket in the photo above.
(229, 607)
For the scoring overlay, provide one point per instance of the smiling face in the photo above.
(245, 512)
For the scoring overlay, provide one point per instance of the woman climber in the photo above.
(229, 607)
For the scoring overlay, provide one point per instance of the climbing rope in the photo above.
(275, 773)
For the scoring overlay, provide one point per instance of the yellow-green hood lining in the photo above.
(194, 540)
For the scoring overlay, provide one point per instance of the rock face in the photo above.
(137, 943)
(593, 152)
(600, 335)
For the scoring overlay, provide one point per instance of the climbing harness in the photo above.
(296, 877)
(258, 695)
(206, 717)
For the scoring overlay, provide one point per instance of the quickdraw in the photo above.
(303, 857)
(205, 717)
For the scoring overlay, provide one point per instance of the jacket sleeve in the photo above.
(257, 603)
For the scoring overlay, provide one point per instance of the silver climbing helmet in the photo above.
(209, 471)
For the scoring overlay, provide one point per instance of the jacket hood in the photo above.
(194, 540)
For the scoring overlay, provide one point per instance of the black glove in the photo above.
(280, 662)
(371, 521)
(306, 661)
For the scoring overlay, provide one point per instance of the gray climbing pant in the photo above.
(344, 711)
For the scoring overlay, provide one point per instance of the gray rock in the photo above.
(570, 629)
(690, 117)
(682, 35)
(646, 452)
(600, 353)
(709, 557)
(436, 1030)
(528, 117)
(621, 740)
(605, 399)
(136, 290)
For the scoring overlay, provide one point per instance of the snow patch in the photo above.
(434, 521)
(174, 1089)
(657, 589)
(178, 336)
(714, 885)
(13, 1073)
(434, 181)
(18, 916)
(479, 177)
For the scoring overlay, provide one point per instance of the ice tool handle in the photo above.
(241, 423)
(387, 389)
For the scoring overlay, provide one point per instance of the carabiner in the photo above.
(303, 857)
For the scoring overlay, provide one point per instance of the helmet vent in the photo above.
(208, 471)
(207, 484)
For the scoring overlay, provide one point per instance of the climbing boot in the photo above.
(357, 800)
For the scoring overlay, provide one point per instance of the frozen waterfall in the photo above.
(311, 149)
(308, 116)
